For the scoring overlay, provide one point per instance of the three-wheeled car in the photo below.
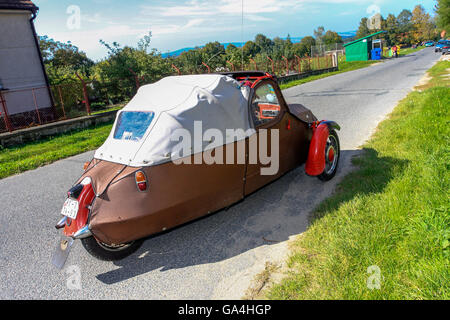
(136, 185)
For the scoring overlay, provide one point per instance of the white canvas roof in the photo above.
(177, 103)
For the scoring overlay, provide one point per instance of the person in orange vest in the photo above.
(395, 51)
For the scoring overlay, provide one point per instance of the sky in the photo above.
(176, 24)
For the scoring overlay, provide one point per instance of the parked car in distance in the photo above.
(440, 44)
(445, 48)
(429, 44)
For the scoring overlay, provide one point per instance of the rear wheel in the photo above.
(332, 155)
(106, 252)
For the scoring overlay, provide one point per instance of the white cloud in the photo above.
(257, 18)
(193, 18)
(88, 40)
(255, 6)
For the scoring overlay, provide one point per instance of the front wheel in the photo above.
(332, 156)
(106, 252)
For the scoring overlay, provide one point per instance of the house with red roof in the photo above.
(24, 88)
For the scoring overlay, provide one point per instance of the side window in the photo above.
(265, 106)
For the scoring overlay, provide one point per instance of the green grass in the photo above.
(344, 66)
(15, 160)
(114, 108)
(392, 212)
(404, 52)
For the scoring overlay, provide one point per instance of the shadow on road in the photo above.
(269, 216)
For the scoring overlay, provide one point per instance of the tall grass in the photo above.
(14, 160)
(390, 215)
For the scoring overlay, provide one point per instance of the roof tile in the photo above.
(18, 4)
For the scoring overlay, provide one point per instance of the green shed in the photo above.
(359, 50)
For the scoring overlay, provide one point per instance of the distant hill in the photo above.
(176, 53)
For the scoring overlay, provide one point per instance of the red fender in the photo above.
(315, 165)
(85, 199)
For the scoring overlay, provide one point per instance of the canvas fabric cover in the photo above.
(218, 101)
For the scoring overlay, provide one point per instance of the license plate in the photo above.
(70, 208)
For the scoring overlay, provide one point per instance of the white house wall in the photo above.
(20, 65)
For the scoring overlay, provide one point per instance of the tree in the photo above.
(363, 29)
(391, 26)
(308, 42)
(300, 49)
(405, 27)
(251, 49)
(190, 61)
(404, 19)
(213, 54)
(332, 37)
(116, 73)
(443, 14)
(423, 27)
(264, 43)
(63, 60)
(234, 54)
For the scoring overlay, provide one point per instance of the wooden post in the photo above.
(177, 69)
(209, 69)
(273, 67)
(36, 106)
(136, 79)
(232, 65)
(62, 101)
(5, 113)
(287, 64)
(85, 93)
(299, 64)
(254, 62)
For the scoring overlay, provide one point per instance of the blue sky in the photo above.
(185, 23)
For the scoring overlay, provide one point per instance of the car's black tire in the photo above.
(104, 252)
(331, 166)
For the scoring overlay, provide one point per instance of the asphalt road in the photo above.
(213, 258)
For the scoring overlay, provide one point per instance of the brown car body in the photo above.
(181, 193)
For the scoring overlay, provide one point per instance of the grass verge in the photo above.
(17, 159)
(344, 66)
(389, 219)
(404, 52)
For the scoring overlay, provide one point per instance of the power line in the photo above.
(242, 35)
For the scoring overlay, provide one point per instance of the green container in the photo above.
(359, 50)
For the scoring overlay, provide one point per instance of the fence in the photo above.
(26, 108)
(325, 49)
(31, 107)
(285, 66)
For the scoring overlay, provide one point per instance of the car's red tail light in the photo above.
(141, 181)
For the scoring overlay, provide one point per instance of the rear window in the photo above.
(133, 125)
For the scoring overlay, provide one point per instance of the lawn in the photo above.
(344, 66)
(385, 232)
(15, 160)
(404, 52)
